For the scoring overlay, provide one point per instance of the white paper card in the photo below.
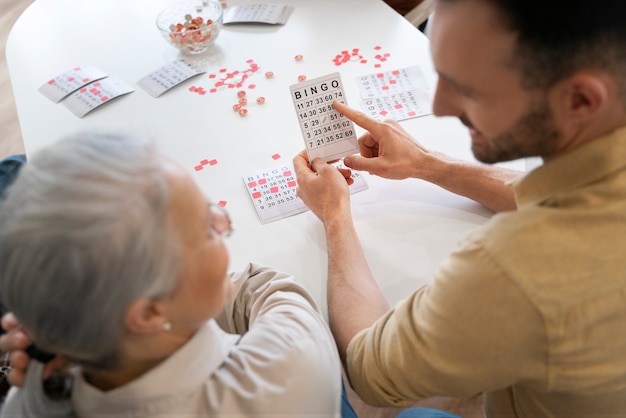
(327, 133)
(167, 77)
(270, 13)
(96, 94)
(64, 84)
(397, 94)
(273, 192)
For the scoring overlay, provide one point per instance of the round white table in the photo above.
(406, 227)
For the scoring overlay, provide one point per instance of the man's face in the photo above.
(472, 52)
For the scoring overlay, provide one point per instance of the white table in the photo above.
(406, 227)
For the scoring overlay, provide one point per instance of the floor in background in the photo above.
(10, 135)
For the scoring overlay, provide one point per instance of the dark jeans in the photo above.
(348, 412)
(9, 167)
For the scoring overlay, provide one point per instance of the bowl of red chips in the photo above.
(192, 27)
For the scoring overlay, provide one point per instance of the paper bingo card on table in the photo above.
(63, 85)
(270, 13)
(327, 133)
(168, 76)
(398, 94)
(273, 192)
(96, 94)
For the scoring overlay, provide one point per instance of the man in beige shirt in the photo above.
(529, 309)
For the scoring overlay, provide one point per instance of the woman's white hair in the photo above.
(84, 231)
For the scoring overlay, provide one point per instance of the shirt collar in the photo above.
(583, 165)
(182, 372)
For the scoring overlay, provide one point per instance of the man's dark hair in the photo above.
(558, 37)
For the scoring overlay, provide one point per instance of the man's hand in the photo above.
(387, 150)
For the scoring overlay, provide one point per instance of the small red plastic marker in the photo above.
(301, 77)
(298, 57)
(269, 74)
(243, 112)
(260, 100)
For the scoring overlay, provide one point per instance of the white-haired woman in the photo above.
(111, 257)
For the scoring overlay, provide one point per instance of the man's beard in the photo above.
(533, 135)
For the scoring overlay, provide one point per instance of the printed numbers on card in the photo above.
(327, 133)
(274, 192)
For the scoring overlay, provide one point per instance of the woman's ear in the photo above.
(145, 316)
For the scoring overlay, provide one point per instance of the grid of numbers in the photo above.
(327, 133)
(274, 192)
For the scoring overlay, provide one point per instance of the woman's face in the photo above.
(204, 285)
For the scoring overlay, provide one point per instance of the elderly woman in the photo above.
(111, 257)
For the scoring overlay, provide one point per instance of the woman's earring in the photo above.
(167, 325)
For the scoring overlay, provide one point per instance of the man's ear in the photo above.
(145, 316)
(583, 95)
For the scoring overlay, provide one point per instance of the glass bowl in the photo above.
(192, 27)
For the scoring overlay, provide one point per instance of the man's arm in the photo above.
(354, 299)
(389, 151)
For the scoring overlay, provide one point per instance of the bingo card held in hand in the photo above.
(327, 133)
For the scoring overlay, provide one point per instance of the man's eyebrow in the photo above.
(464, 90)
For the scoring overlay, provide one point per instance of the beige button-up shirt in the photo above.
(530, 308)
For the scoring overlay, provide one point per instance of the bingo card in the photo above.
(168, 76)
(398, 94)
(95, 94)
(65, 84)
(273, 192)
(327, 133)
(272, 14)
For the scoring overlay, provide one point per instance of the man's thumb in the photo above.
(357, 162)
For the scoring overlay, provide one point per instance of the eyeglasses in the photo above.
(221, 224)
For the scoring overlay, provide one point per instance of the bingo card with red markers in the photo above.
(398, 94)
(63, 85)
(273, 192)
(327, 133)
(95, 94)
